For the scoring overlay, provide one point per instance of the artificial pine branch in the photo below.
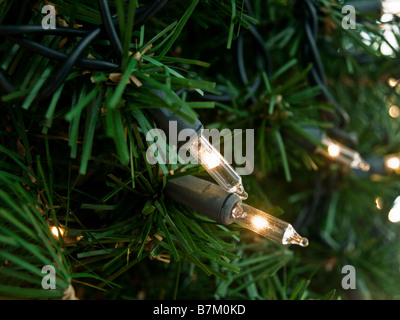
(76, 160)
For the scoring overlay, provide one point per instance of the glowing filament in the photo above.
(393, 163)
(57, 232)
(394, 111)
(378, 202)
(392, 82)
(266, 225)
(217, 166)
(259, 223)
(343, 154)
(211, 160)
(333, 150)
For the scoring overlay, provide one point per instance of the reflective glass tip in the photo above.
(241, 193)
(303, 242)
(292, 237)
(360, 163)
(364, 166)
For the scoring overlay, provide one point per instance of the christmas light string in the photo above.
(240, 213)
(345, 155)
(14, 33)
(201, 149)
(381, 165)
(227, 208)
(323, 187)
(334, 149)
(350, 157)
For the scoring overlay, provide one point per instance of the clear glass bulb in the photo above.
(392, 162)
(266, 225)
(217, 166)
(343, 154)
(394, 213)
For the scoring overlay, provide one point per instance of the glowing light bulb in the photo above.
(394, 213)
(267, 225)
(210, 159)
(394, 111)
(333, 150)
(378, 202)
(393, 162)
(57, 232)
(343, 154)
(259, 222)
(392, 82)
(217, 166)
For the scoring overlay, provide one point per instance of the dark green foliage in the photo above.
(77, 160)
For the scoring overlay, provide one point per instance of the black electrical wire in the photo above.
(308, 214)
(311, 32)
(91, 64)
(15, 34)
(242, 70)
(144, 13)
(35, 29)
(262, 51)
(110, 28)
(148, 12)
(61, 75)
(109, 22)
(311, 17)
(312, 54)
(240, 59)
(66, 69)
(344, 116)
(6, 84)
